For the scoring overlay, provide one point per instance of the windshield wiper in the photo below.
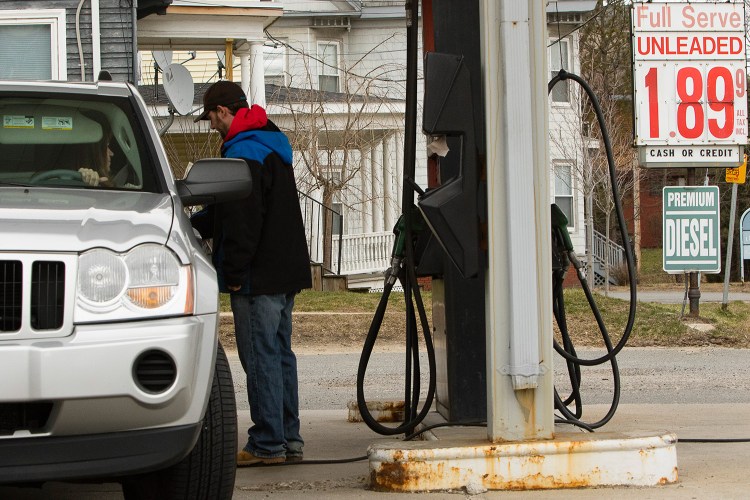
(14, 184)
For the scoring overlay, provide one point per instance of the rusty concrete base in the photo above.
(381, 411)
(571, 460)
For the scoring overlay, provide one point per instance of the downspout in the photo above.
(135, 42)
(96, 40)
(81, 57)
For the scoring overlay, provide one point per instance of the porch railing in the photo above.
(606, 252)
(365, 253)
(317, 217)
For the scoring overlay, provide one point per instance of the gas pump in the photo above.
(448, 247)
(524, 448)
(453, 210)
(452, 253)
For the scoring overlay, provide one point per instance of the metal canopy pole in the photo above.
(518, 297)
(730, 244)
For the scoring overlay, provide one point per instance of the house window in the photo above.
(564, 191)
(32, 45)
(274, 64)
(328, 67)
(559, 60)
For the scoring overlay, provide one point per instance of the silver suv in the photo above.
(110, 365)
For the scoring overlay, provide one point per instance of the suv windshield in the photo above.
(87, 143)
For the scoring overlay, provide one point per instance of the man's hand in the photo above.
(89, 176)
(234, 288)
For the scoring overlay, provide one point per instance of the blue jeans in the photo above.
(263, 328)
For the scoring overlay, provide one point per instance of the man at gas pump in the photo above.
(261, 259)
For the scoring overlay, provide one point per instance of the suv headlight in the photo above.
(147, 280)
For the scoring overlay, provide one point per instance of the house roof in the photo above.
(206, 24)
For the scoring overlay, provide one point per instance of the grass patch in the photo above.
(342, 331)
(313, 301)
(656, 324)
(652, 272)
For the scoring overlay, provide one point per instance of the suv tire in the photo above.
(209, 470)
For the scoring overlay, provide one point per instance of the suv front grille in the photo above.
(46, 295)
(10, 295)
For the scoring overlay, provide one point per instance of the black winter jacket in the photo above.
(259, 241)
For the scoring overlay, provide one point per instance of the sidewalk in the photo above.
(705, 470)
(676, 296)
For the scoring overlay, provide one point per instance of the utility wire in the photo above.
(580, 26)
(345, 71)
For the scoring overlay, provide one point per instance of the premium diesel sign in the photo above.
(691, 229)
(689, 81)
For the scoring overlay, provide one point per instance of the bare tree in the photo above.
(330, 130)
(605, 55)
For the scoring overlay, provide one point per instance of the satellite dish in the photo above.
(178, 84)
(222, 57)
(162, 58)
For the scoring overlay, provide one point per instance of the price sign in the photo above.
(689, 80)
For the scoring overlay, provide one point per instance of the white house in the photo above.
(330, 72)
(321, 43)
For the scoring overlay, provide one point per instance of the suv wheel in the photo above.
(208, 471)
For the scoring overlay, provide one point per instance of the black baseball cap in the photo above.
(221, 93)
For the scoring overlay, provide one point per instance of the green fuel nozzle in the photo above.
(560, 225)
(399, 243)
(560, 221)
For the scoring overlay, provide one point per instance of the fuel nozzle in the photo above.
(399, 243)
(561, 236)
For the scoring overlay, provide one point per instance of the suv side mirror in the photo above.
(215, 180)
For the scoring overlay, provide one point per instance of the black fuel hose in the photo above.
(403, 268)
(567, 349)
(412, 416)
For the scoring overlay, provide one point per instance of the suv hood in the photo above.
(61, 220)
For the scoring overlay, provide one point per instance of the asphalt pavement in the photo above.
(677, 296)
(712, 471)
(694, 393)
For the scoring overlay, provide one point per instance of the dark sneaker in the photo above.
(245, 459)
(293, 458)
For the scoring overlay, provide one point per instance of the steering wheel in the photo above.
(58, 173)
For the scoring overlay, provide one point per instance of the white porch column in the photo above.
(244, 56)
(389, 174)
(376, 167)
(257, 93)
(399, 170)
(251, 70)
(364, 175)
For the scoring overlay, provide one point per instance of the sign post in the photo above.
(735, 176)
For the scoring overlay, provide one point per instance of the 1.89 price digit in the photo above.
(690, 92)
